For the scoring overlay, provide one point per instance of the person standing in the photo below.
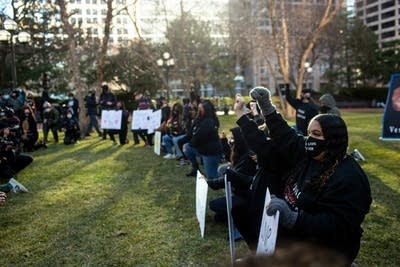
(51, 118)
(305, 110)
(91, 105)
(73, 106)
(122, 133)
(108, 101)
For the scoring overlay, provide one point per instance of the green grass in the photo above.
(94, 204)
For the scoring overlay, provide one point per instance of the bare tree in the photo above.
(296, 29)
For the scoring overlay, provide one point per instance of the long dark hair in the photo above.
(334, 130)
(209, 110)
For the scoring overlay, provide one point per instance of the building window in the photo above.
(125, 31)
(370, 2)
(386, 15)
(371, 9)
(104, 12)
(94, 20)
(94, 2)
(87, 1)
(94, 11)
(118, 20)
(371, 19)
(373, 28)
(95, 31)
(360, 13)
(387, 4)
(88, 20)
(387, 34)
(387, 24)
(87, 11)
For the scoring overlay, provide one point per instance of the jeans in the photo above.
(171, 143)
(210, 161)
(176, 140)
(168, 144)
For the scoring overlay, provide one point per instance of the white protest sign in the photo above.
(141, 119)
(111, 119)
(201, 201)
(228, 196)
(155, 121)
(268, 230)
(157, 143)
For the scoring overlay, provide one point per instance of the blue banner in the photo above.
(391, 117)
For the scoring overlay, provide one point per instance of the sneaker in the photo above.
(183, 162)
(16, 186)
(169, 156)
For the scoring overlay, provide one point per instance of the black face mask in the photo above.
(314, 146)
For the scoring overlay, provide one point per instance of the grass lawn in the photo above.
(94, 204)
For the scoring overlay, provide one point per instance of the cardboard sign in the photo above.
(141, 119)
(201, 201)
(146, 119)
(157, 143)
(268, 230)
(111, 119)
(391, 117)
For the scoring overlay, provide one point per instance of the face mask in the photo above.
(314, 146)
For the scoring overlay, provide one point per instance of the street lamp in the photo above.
(309, 70)
(166, 62)
(7, 35)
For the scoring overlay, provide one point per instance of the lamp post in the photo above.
(7, 35)
(166, 62)
(309, 70)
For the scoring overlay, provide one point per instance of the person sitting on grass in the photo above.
(10, 162)
(173, 132)
(71, 128)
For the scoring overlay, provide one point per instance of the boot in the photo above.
(193, 173)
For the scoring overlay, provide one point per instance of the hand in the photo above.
(239, 106)
(287, 217)
(263, 97)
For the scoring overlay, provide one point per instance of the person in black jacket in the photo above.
(108, 101)
(326, 194)
(204, 141)
(91, 105)
(305, 110)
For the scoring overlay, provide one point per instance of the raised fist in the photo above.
(263, 97)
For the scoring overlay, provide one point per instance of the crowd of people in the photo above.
(319, 189)
(321, 192)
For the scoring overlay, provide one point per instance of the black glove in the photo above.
(287, 217)
(263, 97)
